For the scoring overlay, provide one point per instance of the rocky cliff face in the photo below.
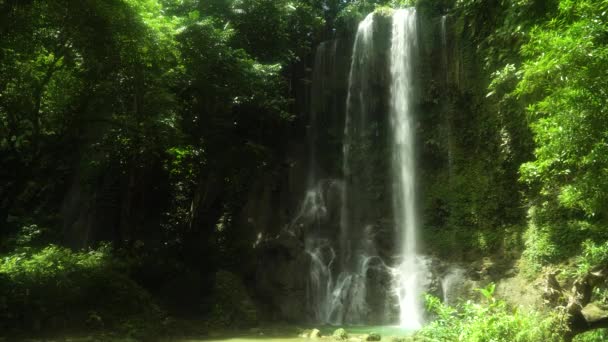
(464, 157)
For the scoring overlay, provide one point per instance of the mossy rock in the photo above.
(310, 333)
(399, 339)
(340, 334)
(232, 305)
(305, 333)
(373, 337)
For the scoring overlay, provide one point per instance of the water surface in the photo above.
(290, 334)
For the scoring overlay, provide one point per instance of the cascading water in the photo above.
(356, 111)
(411, 271)
(347, 275)
(451, 284)
(337, 286)
(444, 46)
(356, 249)
(446, 111)
(313, 211)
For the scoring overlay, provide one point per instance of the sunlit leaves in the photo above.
(493, 321)
(565, 72)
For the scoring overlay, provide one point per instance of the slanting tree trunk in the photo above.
(583, 314)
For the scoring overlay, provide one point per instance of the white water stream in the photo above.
(338, 289)
(411, 273)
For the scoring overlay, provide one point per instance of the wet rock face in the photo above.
(232, 305)
(380, 297)
(343, 230)
(518, 291)
(281, 278)
(307, 215)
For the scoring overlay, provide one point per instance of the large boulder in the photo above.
(232, 305)
(281, 278)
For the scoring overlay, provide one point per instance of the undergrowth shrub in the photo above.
(232, 305)
(593, 254)
(55, 288)
(600, 335)
(492, 321)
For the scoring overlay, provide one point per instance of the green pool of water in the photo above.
(382, 330)
(290, 334)
(278, 333)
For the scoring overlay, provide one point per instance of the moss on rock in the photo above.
(340, 334)
(232, 305)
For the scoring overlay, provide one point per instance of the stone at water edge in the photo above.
(315, 333)
(373, 337)
(406, 339)
(340, 334)
(398, 339)
(305, 333)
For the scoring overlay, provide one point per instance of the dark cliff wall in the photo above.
(469, 200)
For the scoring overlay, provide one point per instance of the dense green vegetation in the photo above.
(132, 133)
(490, 321)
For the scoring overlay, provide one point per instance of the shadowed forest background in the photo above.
(153, 155)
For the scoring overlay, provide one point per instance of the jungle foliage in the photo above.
(131, 130)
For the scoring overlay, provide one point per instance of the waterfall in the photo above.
(446, 107)
(347, 276)
(444, 46)
(356, 112)
(323, 74)
(337, 286)
(316, 101)
(314, 208)
(410, 273)
(356, 248)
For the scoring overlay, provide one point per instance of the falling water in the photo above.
(323, 76)
(411, 271)
(452, 284)
(337, 285)
(316, 100)
(444, 46)
(357, 109)
(356, 248)
(314, 209)
(445, 62)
